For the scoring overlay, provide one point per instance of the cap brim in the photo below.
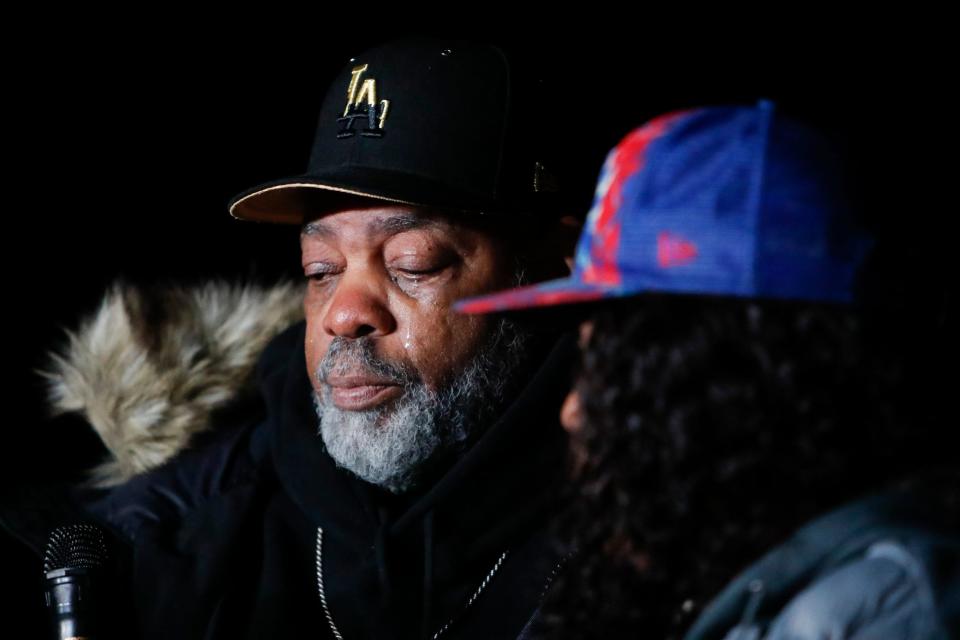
(565, 291)
(297, 199)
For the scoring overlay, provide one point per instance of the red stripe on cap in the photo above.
(629, 158)
(525, 299)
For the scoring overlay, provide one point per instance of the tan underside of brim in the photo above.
(284, 204)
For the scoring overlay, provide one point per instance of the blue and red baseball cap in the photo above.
(730, 201)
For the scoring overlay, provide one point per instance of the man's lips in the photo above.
(356, 393)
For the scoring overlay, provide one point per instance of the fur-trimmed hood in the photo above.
(147, 369)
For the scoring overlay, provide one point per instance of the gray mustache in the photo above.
(356, 355)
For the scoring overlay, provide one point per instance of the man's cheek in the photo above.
(453, 343)
(314, 350)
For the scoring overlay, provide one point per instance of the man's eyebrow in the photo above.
(387, 226)
(398, 224)
(316, 228)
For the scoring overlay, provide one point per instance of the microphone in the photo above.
(74, 556)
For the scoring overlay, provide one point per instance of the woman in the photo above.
(729, 394)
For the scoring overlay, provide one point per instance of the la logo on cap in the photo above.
(362, 105)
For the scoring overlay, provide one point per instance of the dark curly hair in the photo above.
(714, 427)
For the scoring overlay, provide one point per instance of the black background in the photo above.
(126, 140)
(125, 145)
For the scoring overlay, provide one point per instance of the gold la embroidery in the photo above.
(362, 105)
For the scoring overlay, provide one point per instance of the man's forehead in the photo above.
(377, 222)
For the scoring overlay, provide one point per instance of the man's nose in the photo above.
(358, 308)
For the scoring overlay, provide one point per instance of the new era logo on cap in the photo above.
(674, 250)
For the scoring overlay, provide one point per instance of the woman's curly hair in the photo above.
(714, 427)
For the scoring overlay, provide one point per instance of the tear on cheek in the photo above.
(421, 292)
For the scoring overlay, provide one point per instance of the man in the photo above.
(393, 473)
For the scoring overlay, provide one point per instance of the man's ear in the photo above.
(568, 230)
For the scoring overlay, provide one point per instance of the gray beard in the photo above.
(394, 445)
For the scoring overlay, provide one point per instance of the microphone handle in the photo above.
(70, 596)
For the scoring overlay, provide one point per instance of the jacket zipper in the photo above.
(320, 588)
(326, 608)
(476, 594)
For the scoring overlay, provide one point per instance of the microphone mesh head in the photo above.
(75, 545)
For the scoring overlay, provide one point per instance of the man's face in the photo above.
(382, 339)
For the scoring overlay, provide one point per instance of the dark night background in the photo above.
(126, 147)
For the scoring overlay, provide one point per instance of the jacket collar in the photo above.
(150, 368)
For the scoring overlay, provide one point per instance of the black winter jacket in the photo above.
(253, 532)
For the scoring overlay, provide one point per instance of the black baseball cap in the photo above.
(444, 124)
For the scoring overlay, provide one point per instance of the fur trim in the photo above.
(148, 370)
